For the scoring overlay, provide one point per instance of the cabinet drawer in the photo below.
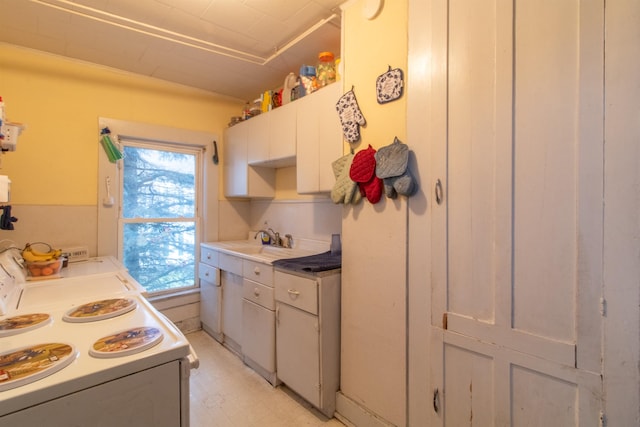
(208, 256)
(258, 293)
(297, 291)
(209, 274)
(230, 263)
(258, 272)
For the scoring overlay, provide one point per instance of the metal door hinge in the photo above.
(603, 307)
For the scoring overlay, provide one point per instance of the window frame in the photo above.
(207, 189)
(196, 219)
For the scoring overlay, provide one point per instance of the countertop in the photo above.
(253, 250)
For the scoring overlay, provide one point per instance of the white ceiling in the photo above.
(238, 48)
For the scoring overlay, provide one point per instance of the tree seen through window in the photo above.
(159, 217)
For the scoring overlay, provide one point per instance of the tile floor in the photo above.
(227, 393)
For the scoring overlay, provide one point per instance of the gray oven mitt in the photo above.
(350, 115)
(344, 190)
(392, 166)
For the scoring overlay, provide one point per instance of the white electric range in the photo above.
(88, 349)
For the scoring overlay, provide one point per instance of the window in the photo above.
(157, 204)
(158, 222)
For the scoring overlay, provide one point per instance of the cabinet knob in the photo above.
(206, 274)
(256, 270)
(293, 293)
(208, 255)
(256, 292)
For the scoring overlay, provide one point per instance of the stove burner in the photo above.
(23, 323)
(124, 343)
(29, 364)
(100, 310)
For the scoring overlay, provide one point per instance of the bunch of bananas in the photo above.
(42, 264)
(32, 255)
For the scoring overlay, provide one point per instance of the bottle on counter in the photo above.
(326, 70)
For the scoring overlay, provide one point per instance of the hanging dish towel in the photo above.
(351, 117)
(363, 171)
(392, 166)
(344, 190)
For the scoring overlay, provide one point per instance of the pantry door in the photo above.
(516, 199)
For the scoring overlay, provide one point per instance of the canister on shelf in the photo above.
(326, 72)
(308, 80)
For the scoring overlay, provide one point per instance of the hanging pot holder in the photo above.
(351, 118)
(363, 171)
(390, 85)
(392, 166)
(344, 190)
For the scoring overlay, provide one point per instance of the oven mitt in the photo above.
(392, 166)
(351, 118)
(344, 190)
(363, 171)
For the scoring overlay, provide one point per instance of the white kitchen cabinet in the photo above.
(258, 320)
(282, 135)
(231, 279)
(210, 293)
(257, 138)
(319, 140)
(272, 137)
(305, 133)
(240, 178)
(308, 335)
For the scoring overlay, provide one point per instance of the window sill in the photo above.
(175, 299)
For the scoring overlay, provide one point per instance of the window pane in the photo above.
(160, 255)
(158, 184)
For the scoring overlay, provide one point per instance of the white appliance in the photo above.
(93, 266)
(96, 376)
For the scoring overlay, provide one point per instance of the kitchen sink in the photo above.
(260, 253)
(257, 250)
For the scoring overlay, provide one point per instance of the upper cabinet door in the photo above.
(282, 136)
(258, 129)
(319, 140)
(517, 137)
(272, 137)
(235, 161)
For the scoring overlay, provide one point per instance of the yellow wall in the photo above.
(370, 47)
(60, 100)
(374, 237)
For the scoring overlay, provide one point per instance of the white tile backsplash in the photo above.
(314, 219)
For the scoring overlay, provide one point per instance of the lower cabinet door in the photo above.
(259, 335)
(232, 309)
(211, 304)
(297, 344)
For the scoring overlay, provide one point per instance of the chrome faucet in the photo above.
(260, 232)
(276, 240)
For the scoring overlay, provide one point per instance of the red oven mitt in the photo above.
(363, 171)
